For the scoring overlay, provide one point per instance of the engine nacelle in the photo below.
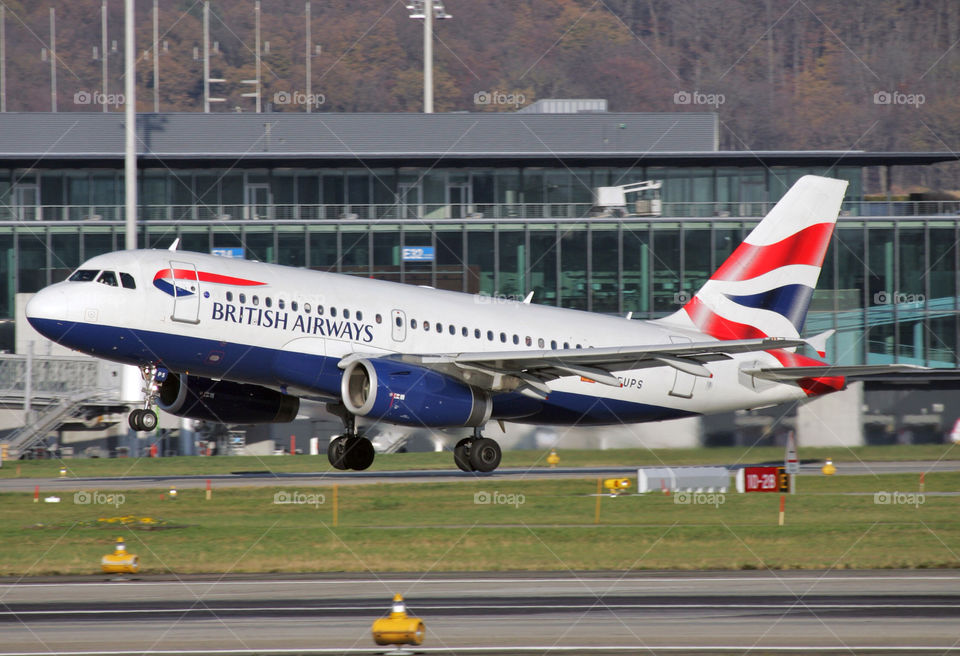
(406, 394)
(225, 402)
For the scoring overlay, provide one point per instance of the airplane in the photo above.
(241, 342)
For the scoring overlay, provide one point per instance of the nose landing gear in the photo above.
(145, 419)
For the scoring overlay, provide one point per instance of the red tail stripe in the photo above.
(749, 261)
(714, 325)
(203, 276)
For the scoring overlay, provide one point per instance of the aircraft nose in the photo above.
(46, 309)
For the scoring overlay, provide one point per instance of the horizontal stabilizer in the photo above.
(852, 373)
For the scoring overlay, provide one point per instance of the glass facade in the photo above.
(91, 194)
(889, 288)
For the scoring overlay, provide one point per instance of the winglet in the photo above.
(819, 342)
(526, 301)
(175, 245)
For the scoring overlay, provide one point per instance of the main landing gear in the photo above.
(145, 419)
(477, 453)
(350, 450)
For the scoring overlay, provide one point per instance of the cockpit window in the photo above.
(127, 280)
(83, 275)
(108, 278)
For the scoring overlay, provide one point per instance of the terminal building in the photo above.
(499, 204)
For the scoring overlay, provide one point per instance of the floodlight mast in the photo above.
(428, 10)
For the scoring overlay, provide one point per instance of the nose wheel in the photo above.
(145, 419)
(477, 454)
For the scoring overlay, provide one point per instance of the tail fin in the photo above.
(765, 286)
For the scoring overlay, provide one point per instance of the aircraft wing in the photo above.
(853, 373)
(598, 363)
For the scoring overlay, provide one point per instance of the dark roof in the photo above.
(80, 139)
(351, 135)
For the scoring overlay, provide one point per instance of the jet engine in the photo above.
(403, 393)
(225, 402)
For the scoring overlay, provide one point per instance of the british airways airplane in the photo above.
(241, 342)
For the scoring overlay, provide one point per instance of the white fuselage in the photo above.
(231, 329)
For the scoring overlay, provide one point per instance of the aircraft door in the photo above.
(186, 292)
(398, 320)
(682, 381)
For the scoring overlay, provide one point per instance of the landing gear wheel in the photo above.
(461, 454)
(134, 420)
(336, 452)
(484, 455)
(148, 420)
(359, 453)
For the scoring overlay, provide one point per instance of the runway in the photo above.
(267, 478)
(591, 613)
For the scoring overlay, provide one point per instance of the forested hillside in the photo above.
(864, 74)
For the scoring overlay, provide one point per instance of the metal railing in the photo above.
(45, 377)
(436, 211)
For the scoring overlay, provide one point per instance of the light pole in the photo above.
(428, 10)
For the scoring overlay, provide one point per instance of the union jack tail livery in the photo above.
(764, 288)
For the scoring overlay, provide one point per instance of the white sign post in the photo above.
(790, 462)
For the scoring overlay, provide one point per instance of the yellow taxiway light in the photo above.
(120, 562)
(828, 469)
(553, 459)
(617, 485)
(398, 629)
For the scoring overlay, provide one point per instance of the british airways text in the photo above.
(266, 318)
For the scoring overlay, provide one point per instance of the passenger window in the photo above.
(243, 298)
(566, 345)
(108, 278)
(503, 337)
(578, 346)
(464, 331)
(84, 275)
(320, 309)
(529, 341)
(413, 323)
(268, 301)
(540, 342)
(346, 314)
(516, 339)
(553, 344)
(399, 321)
(476, 333)
(439, 327)
(127, 281)
(426, 325)
(255, 300)
(360, 316)
(333, 312)
(379, 319)
(230, 297)
(293, 305)
(280, 303)
(306, 308)
(490, 335)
